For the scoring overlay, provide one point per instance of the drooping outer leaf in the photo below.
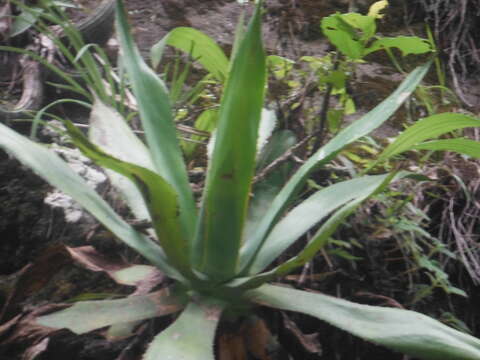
(406, 331)
(118, 269)
(85, 316)
(230, 171)
(190, 337)
(58, 174)
(157, 121)
(199, 46)
(143, 277)
(310, 212)
(356, 130)
(158, 195)
(428, 128)
(111, 133)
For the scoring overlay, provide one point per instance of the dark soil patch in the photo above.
(25, 219)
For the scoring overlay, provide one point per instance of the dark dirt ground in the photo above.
(30, 229)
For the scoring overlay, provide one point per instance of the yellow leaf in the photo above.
(376, 7)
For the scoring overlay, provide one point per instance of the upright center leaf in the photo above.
(232, 166)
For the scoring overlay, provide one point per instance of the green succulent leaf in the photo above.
(191, 336)
(239, 34)
(134, 275)
(111, 133)
(268, 122)
(353, 132)
(54, 170)
(323, 234)
(406, 331)
(159, 196)
(85, 316)
(232, 166)
(310, 212)
(158, 123)
(318, 240)
(265, 191)
(199, 46)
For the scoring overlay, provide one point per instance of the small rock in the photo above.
(83, 167)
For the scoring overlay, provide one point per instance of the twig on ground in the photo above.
(281, 159)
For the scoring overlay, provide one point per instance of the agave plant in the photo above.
(215, 264)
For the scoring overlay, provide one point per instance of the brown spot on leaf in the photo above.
(228, 176)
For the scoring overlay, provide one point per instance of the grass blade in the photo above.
(199, 46)
(462, 146)
(428, 128)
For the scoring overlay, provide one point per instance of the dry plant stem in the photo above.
(297, 343)
(456, 84)
(297, 97)
(32, 84)
(455, 25)
(325, 106)
(5, 22)
(465, 241)
(281, 159)
(303, 276)
(16, 75)
(388, 300)
(318, 133)
(180, 127)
